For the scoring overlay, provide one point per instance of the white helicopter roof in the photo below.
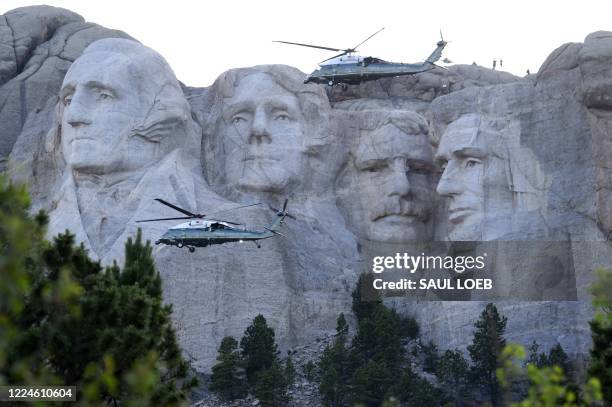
(200, 224)
(344, 59)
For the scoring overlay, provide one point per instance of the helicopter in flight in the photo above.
(347, 68)
(201, 233)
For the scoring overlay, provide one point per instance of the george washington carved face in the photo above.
(120, 108)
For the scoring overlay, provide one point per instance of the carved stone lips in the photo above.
(396, 218)
(80, 138)
(259, 157)
(456, 215)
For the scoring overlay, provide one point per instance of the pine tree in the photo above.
(290, 372)
(534, 357)
(600, 365)
(365, 299)
(228, 377)
(271, 386)
(258, 348)
(370, 383)
(486, 349)
(452, 371)
(430, 350)
(65, 320)
(558, 357)
(334, 366)
(414, 391)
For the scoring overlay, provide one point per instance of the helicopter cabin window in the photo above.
(216, 226)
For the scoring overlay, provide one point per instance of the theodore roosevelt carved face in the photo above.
(386, 188)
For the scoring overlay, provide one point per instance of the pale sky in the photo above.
(202, 39)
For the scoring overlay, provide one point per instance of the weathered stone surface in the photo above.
(37, 46)
(520, 159)
(534, 179)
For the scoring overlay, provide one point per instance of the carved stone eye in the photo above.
(67, 99)
(282, 116)
(471, 163)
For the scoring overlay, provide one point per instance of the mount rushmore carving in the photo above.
(466, 154)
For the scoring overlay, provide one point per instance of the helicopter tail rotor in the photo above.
(284, 211)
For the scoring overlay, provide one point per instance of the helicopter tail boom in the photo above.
(278, 222)
(437, 53)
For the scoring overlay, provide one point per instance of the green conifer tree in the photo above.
(365, 299)
(334, 366)
(558, 357)
(414, 391)
(486, 348)
(600, 365)
(290, 372)
(452, 371)
(370, 383)
(228, 378)
(259, 350)
(271, 386)
(68, 321)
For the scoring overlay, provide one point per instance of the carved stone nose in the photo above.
(259, 137)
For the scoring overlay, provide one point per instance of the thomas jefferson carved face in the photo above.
(262, 131)
(121, 108)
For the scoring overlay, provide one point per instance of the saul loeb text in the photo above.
(403, 262)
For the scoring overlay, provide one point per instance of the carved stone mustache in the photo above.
(401, 207)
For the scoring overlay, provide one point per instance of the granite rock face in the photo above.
(37, 46)
(99, 127)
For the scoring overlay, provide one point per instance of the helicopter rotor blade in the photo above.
(308, 45)
(160, 219)
(226, 221)
(181, 210)
(335, 56)
(361, 43)
(232, 209)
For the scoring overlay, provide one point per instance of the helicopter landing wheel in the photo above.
(191, 249)
(259, 246)
(179, 245)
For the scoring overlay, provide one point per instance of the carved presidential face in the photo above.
(595, 60)
(473, 178)
(390, 195)
(103, 101)
(262, 131)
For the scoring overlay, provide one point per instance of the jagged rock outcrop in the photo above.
(37, 46)
(451, 155)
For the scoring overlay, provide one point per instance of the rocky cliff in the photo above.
(98, 126)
